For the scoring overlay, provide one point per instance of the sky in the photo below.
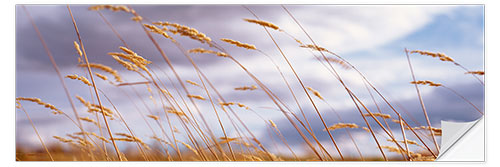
(371, 37)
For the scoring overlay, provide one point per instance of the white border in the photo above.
(8, 92)
(250, 2)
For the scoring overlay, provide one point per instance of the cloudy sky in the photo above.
(371, 37)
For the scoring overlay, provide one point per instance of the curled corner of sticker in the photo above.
(462, 141)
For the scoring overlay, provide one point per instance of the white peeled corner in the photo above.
(462, 141)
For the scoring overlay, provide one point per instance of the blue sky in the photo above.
(372, 38)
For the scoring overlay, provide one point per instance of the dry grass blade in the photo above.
(227, 103)
(342, 125)
(441, 56)
(153, 117)
(137, 18)
(253, 87)
(36, 132)
(178, 113)
(475, 72)
(263, 23)
(40, 102)
(340, 62)
(227, 139)
(78, 50)
(273, 124)
(408, 141)
(184, 31)
(314, 47)
(315, 92)
(426, 82)
(239, 44)
(61, 139)
(103, 77)
(133, 83)
(193, 83)
(87, 119)
(196, 97)
(81, 78)
(114, 8)
(433, 129)
(201, 50)
(105, 69)
(243, 106)
(385, 116)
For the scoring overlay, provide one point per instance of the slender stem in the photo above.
(459, 95)
(467, 70)
(125, 44)
(364, 78)
(36, 131)
(304, 89)
(217, 114)
(169, 63)
(282, 138)
(421, 101)
(56, 68)
(112, 29)
(347, 130)
(275, 101)
(404, 138)
(352, 96)
(143, 154)
(378, 108)
(93, 84)
(308, 127)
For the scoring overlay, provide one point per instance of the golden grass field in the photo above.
(196, 138)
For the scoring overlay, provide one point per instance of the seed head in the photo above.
(475, 72)
(253, 87)
(263, 23)
(239, 44)
(342, 125)
(315, 92)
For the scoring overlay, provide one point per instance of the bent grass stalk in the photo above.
(142, 152)
(277, 101)
(56, 68)
(349, 92)
(123, 41)
(446, 58)
(347, 130)
(430, 83)
(364, 78)
(169, 63)
(93, 83)
(253, 87)
(201, 73)
(421, 101)
(308, 128)
(303, 87)
(36, 132)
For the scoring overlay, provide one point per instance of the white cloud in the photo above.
(350, 28)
